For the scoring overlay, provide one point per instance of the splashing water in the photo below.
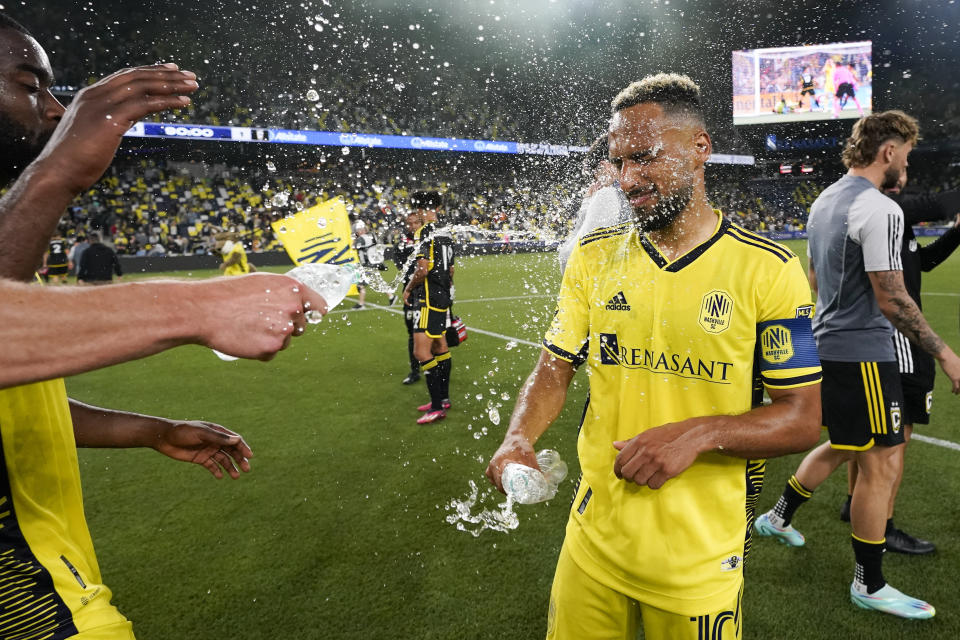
(502, 519)
(466, 232)
(312, 95)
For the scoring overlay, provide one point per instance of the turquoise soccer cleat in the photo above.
(889, 600)
(787, 535)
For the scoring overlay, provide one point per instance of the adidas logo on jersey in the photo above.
(618, 303)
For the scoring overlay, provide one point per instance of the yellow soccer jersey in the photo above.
(239, 268)
(50, 585)
(665, 341)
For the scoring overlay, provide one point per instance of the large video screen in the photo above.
(796, 84)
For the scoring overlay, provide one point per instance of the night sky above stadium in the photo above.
(547, 59)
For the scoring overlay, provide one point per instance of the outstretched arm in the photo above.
(789, 424)
(250, 317)
(538, 405)
(214, 447)
(902, 312)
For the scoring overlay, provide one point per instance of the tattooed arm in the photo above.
(902, 312)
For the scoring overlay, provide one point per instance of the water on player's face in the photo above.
(654, 154)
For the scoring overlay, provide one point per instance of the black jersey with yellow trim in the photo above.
(436, 247)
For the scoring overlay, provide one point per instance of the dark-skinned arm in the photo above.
(936, 252)
(902, 312)
(79, 151)
(539, 403)
(789, 424)
(210, 445)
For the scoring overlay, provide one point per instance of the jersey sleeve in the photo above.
(875, 222)
(786, 350)
(569, 333)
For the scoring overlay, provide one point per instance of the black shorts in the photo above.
(845, 89)
(808, 92)
(862, 404)
(917, 400)
(408, 317)
(429, 320)
(59, 270)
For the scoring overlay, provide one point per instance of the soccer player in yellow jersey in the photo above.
(234, 256)
(50, 583)
(675, 315)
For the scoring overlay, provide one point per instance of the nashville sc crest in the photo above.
(716, 309)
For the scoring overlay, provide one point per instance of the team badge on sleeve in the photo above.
(776, 344)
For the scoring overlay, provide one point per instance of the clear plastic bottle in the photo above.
(527, 485)
(332, 281)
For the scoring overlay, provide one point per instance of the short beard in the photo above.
(891, 178)
(666, 211)
(18, 148)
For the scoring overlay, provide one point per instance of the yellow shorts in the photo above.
(116, 631)
(583, 609)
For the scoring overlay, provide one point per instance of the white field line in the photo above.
(470, 328)
(946, 444)
(937, 293)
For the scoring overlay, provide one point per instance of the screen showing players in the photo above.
(812, 82)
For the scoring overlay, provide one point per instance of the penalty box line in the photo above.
(937, 442)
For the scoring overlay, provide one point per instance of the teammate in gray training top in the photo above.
(854, 238)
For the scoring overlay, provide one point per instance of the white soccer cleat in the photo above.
(892, 601)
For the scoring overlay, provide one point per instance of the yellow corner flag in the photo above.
(319, 234)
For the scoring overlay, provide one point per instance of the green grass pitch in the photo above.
(339, 530)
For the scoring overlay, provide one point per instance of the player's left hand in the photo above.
(656, 455)
(207, 444)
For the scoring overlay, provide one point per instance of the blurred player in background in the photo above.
(603, 204)
(430, 293)
(667, 312)
(98, 263)
(234, 255)
(855, 238)
(917, 367)
(403, 257)
(56, 263)
(370, 256)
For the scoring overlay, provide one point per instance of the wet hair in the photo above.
(6, 22)
(873, 131)
(596, 155)
(676, 93)
(426, 200)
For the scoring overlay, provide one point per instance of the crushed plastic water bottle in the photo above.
(332, 281)
(312, 95)
(526, 485)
